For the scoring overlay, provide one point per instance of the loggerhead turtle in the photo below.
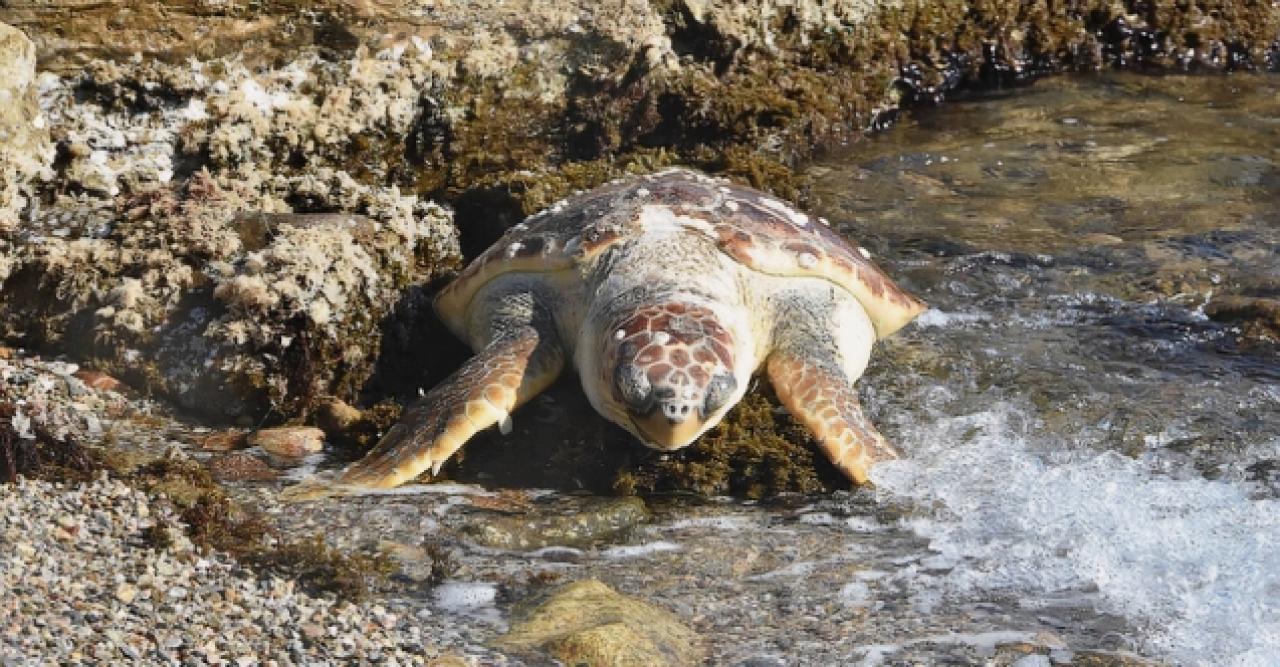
(666, 292)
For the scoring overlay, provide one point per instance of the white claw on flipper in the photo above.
(505, 425)
(435, 468)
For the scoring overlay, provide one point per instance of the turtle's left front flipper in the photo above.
(815, 389)
(517, 363)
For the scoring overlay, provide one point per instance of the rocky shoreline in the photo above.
(183, 182)
(238, 214)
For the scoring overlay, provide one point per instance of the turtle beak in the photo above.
(662, 430)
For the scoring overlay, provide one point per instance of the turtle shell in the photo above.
(762, 233)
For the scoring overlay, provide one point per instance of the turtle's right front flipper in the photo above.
(517, 364)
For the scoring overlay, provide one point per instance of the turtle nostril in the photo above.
(675, 412)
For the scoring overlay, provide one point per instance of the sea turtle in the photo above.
(666, 292)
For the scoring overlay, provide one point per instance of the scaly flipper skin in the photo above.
(818, 393)
(515, 366)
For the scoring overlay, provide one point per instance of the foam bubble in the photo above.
(640, 550)
(467, 598)
(725, 523)
(1196, 561)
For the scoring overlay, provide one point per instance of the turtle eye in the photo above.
(719, 389)
(633, 387)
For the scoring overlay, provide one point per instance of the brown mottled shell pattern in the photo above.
(762, 233)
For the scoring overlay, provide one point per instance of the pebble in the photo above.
(108, 597)
(126, 592)
(97, 380)
(289, 442)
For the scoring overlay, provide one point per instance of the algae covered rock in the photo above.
(1257, 317)
(588, 524)
(588, 623)
(25, 151)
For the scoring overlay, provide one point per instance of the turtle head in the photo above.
(671, 372)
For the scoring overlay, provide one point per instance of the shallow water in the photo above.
(1090, 460)
(1074, 424)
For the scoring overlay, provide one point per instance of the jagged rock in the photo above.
(230, 313)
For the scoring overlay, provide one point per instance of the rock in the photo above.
(224, 441)
(25, 148)
(240, 467)
(289, 442)
(1259, 317)
(588, 623)
(593, 523)
(1111, 659)
(336, 417)
(230, 222)
(174, 298)
(452, 660)
(97, 380)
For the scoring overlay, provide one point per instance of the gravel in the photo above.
(81, 583)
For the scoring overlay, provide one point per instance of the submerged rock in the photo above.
(289, 442)
(589, 524)
(588, 623)
(240, 467)
(1258, 317)
(223, 441)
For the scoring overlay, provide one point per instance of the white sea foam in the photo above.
(726, 523)
(1196, 562)
(937, 318)
(639, 550)
(468, 598)
(876, 654)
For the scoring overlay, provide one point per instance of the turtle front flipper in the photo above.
(815, 389)
(517, 364)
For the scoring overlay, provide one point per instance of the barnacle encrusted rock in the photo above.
(198, 292)
(25, 151)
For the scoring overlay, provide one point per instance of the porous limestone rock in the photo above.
(25, 151)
